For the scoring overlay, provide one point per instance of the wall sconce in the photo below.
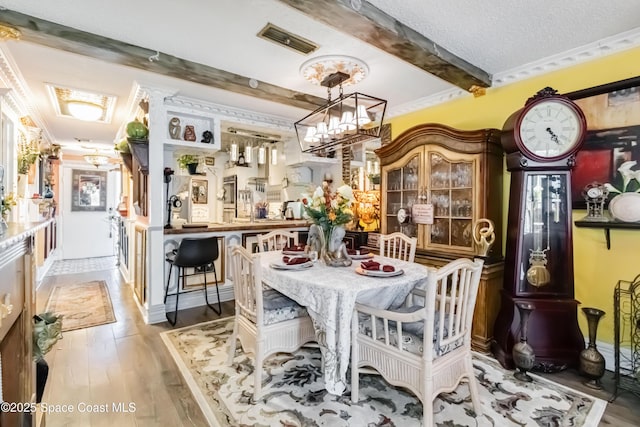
(274, 155)
(233, 152)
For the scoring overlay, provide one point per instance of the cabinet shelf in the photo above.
(192, 146)
(607, 226)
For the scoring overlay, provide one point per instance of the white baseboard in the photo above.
(157, 313)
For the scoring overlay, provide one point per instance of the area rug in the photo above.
(82, 305)
(293, 393)
(82, 265)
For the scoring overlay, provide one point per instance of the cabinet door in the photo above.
(401, 183)
(453, 190)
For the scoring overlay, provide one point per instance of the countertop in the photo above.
(241, 226)
(18, 231)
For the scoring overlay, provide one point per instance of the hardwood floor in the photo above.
(127, 363)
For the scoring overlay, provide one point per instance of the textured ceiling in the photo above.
(498, 37)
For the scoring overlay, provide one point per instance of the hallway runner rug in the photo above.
(82, 265)
(294, 394)
(82, 305)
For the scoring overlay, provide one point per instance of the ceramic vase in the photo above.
(523, 355)
(592, 363)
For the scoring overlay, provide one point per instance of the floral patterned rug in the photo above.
(81, 305)
(293, 392)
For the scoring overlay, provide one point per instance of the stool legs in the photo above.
(206, 293)
(182, 276)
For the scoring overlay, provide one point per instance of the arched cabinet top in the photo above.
(463, 141)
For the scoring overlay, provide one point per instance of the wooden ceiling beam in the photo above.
(69, 39)
(375, 27)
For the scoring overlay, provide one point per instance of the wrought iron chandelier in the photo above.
(347, 120)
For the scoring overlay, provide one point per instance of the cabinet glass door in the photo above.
(402, 193)
(451, 193)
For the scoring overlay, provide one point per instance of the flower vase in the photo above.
(327, 241)
(523, 355)
(22, 185)
(592, 363)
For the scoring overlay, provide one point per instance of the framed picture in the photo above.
(88, 190)
(250, 242)
(199, 191)
(613, 133)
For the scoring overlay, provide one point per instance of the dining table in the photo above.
(330, 293)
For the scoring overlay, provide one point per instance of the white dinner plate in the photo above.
(363, 256)
(374, 273)
(283, 266)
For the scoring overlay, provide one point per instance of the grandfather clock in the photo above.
(540, 141)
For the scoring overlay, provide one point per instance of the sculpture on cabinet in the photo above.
(174, 128)
(189, 133)
(207, 137)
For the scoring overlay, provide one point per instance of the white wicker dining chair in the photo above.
(276, 240)
(392, 342)
(266, 321)
(398, 245)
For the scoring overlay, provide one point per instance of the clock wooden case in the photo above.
(460, 172)
(540, 141)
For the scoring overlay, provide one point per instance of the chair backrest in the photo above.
(245, 274)
(399, 246)
(276, 240)
(196, 252)
(451, 301)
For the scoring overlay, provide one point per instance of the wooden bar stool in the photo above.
(199, 254)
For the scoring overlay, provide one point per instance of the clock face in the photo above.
(402, 216)
(594, 192)
(551, 128)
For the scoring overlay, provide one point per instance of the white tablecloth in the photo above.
(330, 294)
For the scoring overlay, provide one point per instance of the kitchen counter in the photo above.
(259, 224)
(17, 232)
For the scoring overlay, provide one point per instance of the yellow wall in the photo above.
(597, 270)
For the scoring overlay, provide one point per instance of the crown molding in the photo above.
(237, 115)
(595, 50)
(599, 49)
(18, 98)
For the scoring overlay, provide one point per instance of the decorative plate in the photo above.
(282, 266)
(374, 273)
(625, 207)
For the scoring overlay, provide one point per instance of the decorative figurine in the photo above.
(207, 137)
(189, 133)
(483, 235)
(174, 128)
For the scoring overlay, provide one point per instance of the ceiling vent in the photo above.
(289, 40)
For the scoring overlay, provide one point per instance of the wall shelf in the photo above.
(607, 226)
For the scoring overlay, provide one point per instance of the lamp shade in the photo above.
(358, 118)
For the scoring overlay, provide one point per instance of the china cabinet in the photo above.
(455, 176)
(458, 172)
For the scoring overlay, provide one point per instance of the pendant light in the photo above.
(248, 152)
(233, 152)
(274, 155)
(262, 155)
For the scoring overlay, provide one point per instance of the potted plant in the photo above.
(122, 147)
(138, 141)
(189, 162)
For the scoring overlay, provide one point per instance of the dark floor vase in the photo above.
(523, 355)
(592, 363)
(42, 373)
